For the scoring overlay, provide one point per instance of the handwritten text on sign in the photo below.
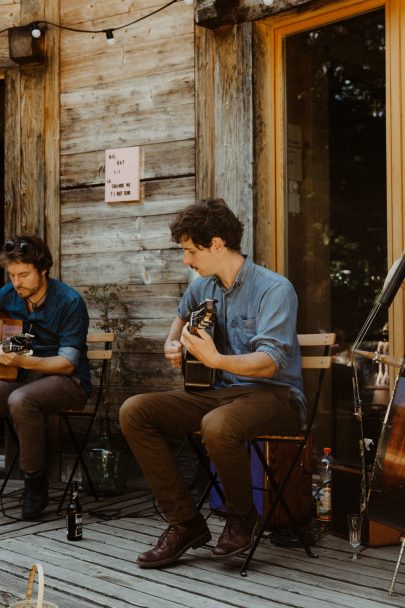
(122, 175)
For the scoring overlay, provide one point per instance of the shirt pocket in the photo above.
(242, 333)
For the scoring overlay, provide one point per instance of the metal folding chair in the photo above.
(103, 355)
(320, 362)
(100, 350)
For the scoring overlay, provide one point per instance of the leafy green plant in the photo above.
(113, 316)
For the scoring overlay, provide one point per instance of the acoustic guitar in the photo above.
(386, 500)
(12, 340)
(198, 376)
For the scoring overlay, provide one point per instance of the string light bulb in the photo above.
(189, 2)
(110, 37)
(35, 31)
(268, 2)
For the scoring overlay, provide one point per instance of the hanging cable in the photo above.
(107, 31)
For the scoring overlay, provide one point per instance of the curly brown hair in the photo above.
(27, 249)
(204, 220)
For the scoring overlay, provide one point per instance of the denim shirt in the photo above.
(256, 314)
(60, 325)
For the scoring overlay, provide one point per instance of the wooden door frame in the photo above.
(270, 129)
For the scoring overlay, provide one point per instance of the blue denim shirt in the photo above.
(60, 325)
(256, 314)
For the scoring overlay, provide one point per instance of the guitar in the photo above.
(12, 342)
(196, 374)
(386, 500)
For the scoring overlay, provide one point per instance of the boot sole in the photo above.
(194, 544)
(240, 550)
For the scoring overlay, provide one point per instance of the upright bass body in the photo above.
(386, 502)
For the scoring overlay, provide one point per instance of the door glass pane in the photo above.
(336, 194)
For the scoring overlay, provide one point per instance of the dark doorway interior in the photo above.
(336, 204)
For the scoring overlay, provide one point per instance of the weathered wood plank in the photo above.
(9, 17)
(176, 20)
(139, 234)
(168, 124)
(234, 146)
(152, 304)
(264, 213)
(214, 13)
(12, 146)
(158, 197)
(134, 95)
(205, 113)
(88, 70)
(51, 110)
(101, 569)
(146, 267)
(166, 159)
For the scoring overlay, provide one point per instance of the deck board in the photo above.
(101, 570)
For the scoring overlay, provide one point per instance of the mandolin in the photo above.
(386, 500)
(196, 374)
(13, 341)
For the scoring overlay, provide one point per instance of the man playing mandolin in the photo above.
(258, 386)
(56, 376)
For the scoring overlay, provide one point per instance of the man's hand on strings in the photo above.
(201, 346)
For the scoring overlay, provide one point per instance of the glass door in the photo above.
(334, 195)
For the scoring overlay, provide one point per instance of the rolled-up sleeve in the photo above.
(73, 333)
(276, 322)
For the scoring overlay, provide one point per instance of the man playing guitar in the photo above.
(258, 386)
(56, 375)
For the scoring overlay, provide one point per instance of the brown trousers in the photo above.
(227, 418)
(29, 402)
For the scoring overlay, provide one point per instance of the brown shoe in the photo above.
(175, 541)
(238, 535)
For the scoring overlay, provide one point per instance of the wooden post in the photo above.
(224, 121)
(32, 199)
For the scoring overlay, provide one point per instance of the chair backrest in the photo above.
(320, 359)
(100, 349)
(325, 341)
(96, 353)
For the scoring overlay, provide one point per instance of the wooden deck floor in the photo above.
(101, 570)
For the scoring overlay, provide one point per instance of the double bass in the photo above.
(386, 499)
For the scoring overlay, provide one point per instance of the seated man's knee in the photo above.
(17, 406)
(131, 411)
(214, 428)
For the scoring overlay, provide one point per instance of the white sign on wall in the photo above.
(122, 175)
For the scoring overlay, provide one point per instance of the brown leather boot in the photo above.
(238, 534)
(175, 541)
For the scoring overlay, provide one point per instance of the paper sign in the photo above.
(122, 175)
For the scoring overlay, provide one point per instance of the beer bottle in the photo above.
(74, 515)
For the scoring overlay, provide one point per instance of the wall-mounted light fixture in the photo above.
(27, 44)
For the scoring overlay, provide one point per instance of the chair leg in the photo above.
(278, 499)
(79, 459)
(15, 457)
(394, 578)
(213, 477)
(9, 471)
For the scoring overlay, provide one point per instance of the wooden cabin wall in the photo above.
(138, 92)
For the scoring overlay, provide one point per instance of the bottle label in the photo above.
(324, 504)
(74, 525)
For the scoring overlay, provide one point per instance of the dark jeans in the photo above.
(28, 402)
(226, 417)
